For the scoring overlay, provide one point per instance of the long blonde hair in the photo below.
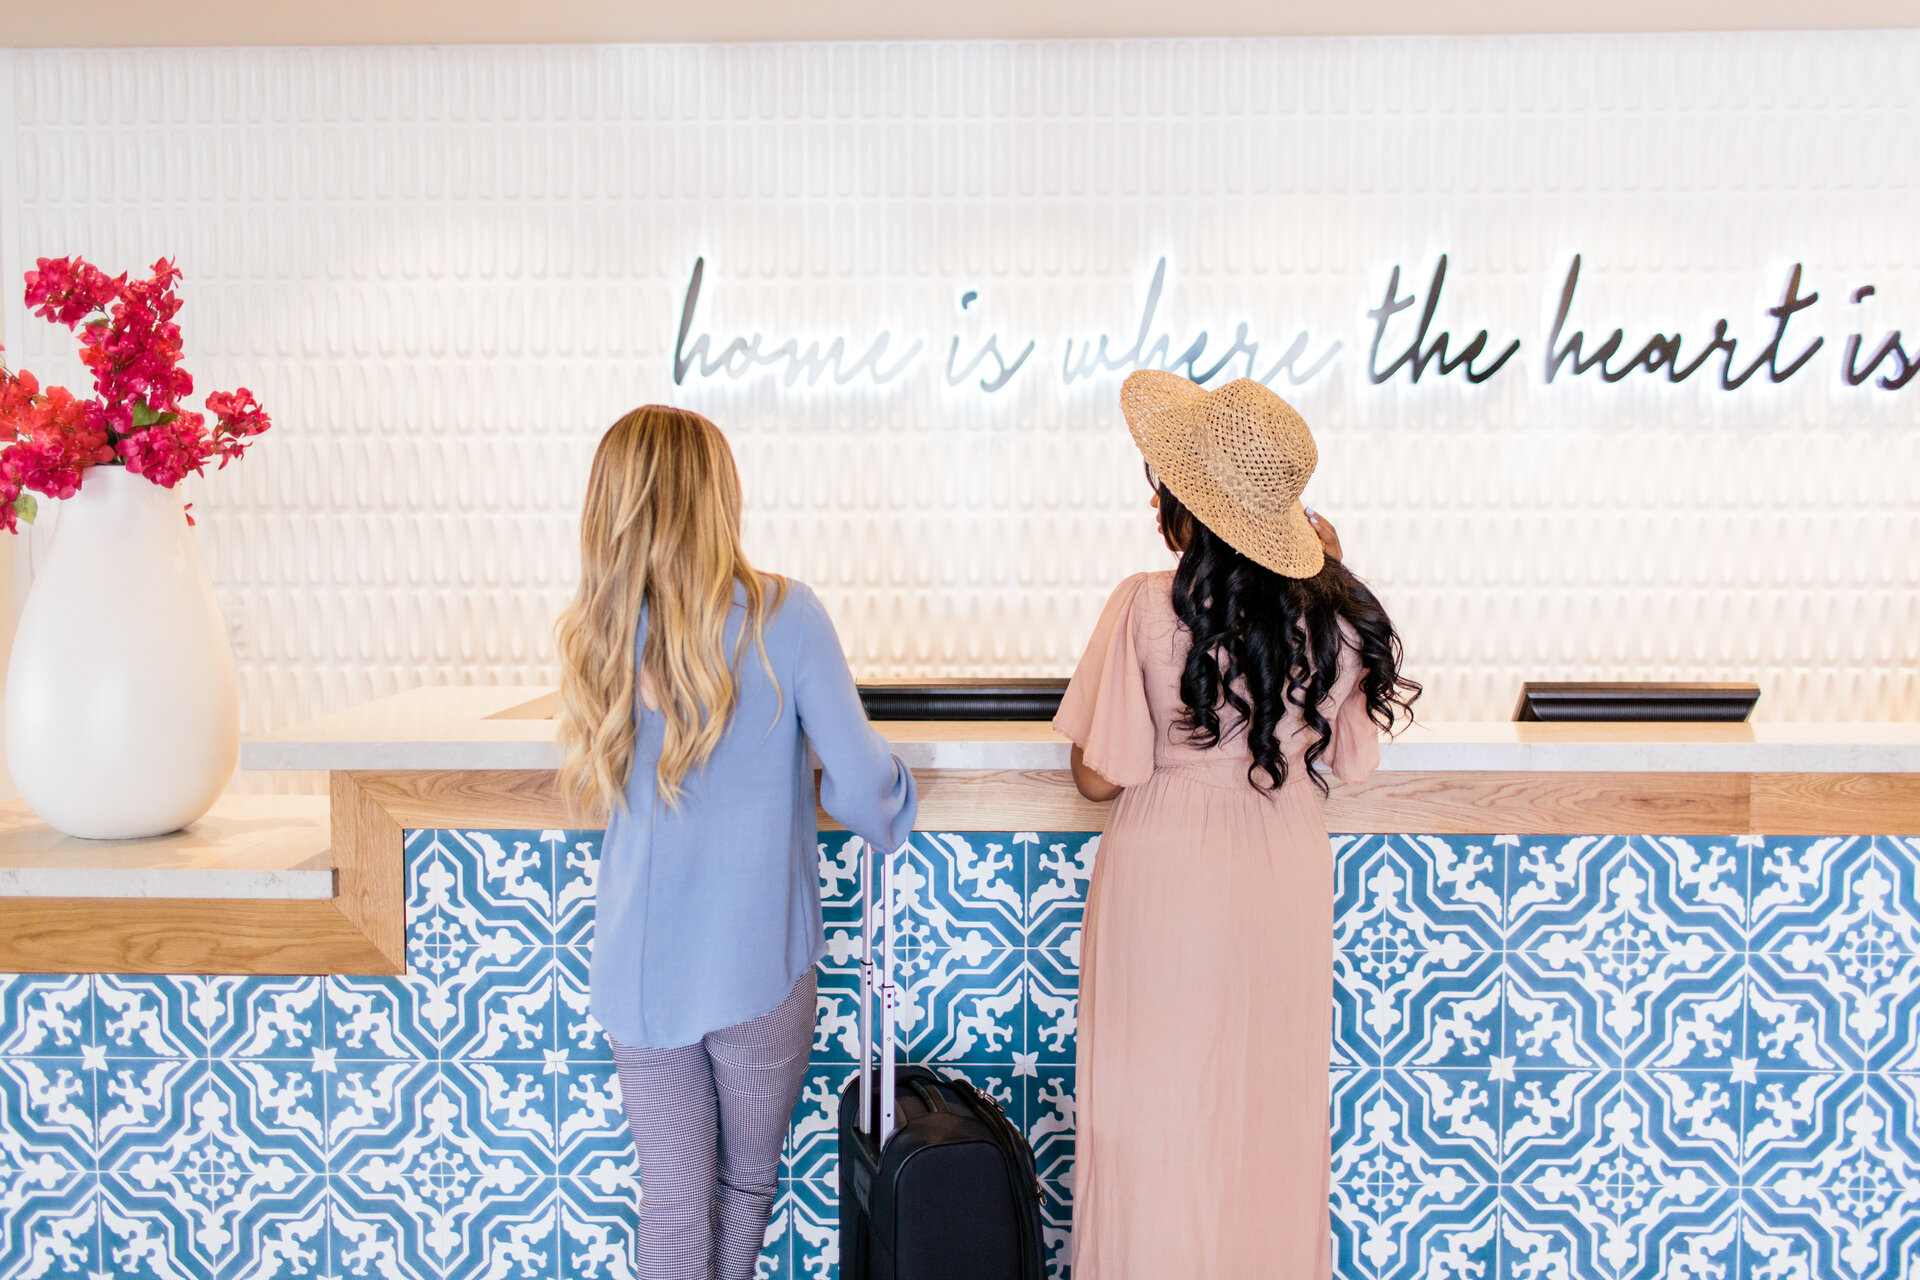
(661, 527)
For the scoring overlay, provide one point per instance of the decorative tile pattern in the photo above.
(1590, 1058)
(447, 270)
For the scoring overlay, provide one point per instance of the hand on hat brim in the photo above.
(1324, 530)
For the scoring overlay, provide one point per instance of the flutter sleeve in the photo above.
(862, 783)
(1105, 708)
(1355, 750)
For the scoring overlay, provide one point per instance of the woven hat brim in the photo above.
(1160, 409)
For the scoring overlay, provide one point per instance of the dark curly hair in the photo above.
(1262, 641)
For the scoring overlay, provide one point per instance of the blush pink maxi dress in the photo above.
(1206, 979)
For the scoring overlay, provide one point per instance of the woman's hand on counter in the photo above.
(1088, 782)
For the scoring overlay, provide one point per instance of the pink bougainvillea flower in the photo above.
(68, 290)
(131, 344)
(167, 452)
(238, 418)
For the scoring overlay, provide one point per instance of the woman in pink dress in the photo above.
(1213, 700)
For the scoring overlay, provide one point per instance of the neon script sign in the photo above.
(1404, 345)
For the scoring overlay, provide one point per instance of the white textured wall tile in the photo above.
(447, 270)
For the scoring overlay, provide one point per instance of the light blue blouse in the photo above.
(709, 912)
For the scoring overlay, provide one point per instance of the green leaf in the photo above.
(144, 416)
(25, 507)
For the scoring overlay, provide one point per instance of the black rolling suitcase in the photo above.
(949, 1192)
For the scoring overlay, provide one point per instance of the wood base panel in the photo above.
(362, 929)
(183, 935)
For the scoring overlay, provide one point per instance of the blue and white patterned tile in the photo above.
(836, 1027)
(964, 1005)
(1700, 882)
(1638, 1094)
(1445, 1120)
(598, 1210)
(507, 1011)
(143, 1016)
(505, 878)
(1699, 1113)
(468, 1129)
(1621, 1191)
(158, 1225)
(1842, 938)
(1053, 1009)
(1777, 1248)
(591, 1122)
(970, 886)
(1787, 1021)
(813, 1143)
(1548, 1114)
(433, 1220)
(1855, 1189)
(575, 859)
(50, 1227)
(1429, 1008)
(1788, 1116)
(1059, 870)
(813, 1230)
(577, 1033)
(479, 932)
(45, 1014)
(214, 1125)
(1047, 1112)
(47, 1141)
(1614, 958)
(1413, 1150)
(1420, 893)
(1795, 881)
(368, 1019)
(776, 1250)
(214, 1017)
(48, 1115)
(840, 898)
(1385, 1226)
(1056, 1238)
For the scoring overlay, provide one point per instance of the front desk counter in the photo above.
(1611, 1000)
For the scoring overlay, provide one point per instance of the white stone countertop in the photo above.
(245, 847)
(502, 727)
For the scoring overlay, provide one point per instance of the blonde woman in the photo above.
(691, 686)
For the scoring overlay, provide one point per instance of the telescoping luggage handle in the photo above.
(882, 981)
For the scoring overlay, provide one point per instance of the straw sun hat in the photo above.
(1238, 459)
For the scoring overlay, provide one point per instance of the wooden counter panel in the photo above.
(1827, 804)
(1000, 800)
(1676, 804)
(184, 935)
(471, 799)
(363, 928)
(1533, 803)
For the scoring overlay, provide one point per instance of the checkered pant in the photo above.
(708, 1120)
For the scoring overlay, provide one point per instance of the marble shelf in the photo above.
(246, 847)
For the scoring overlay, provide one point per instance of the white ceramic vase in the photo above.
(123, 711)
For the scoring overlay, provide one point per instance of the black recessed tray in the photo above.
(1598, 701)
(971, 699)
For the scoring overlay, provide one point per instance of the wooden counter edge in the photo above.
(362, 930)
(1440, 803)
